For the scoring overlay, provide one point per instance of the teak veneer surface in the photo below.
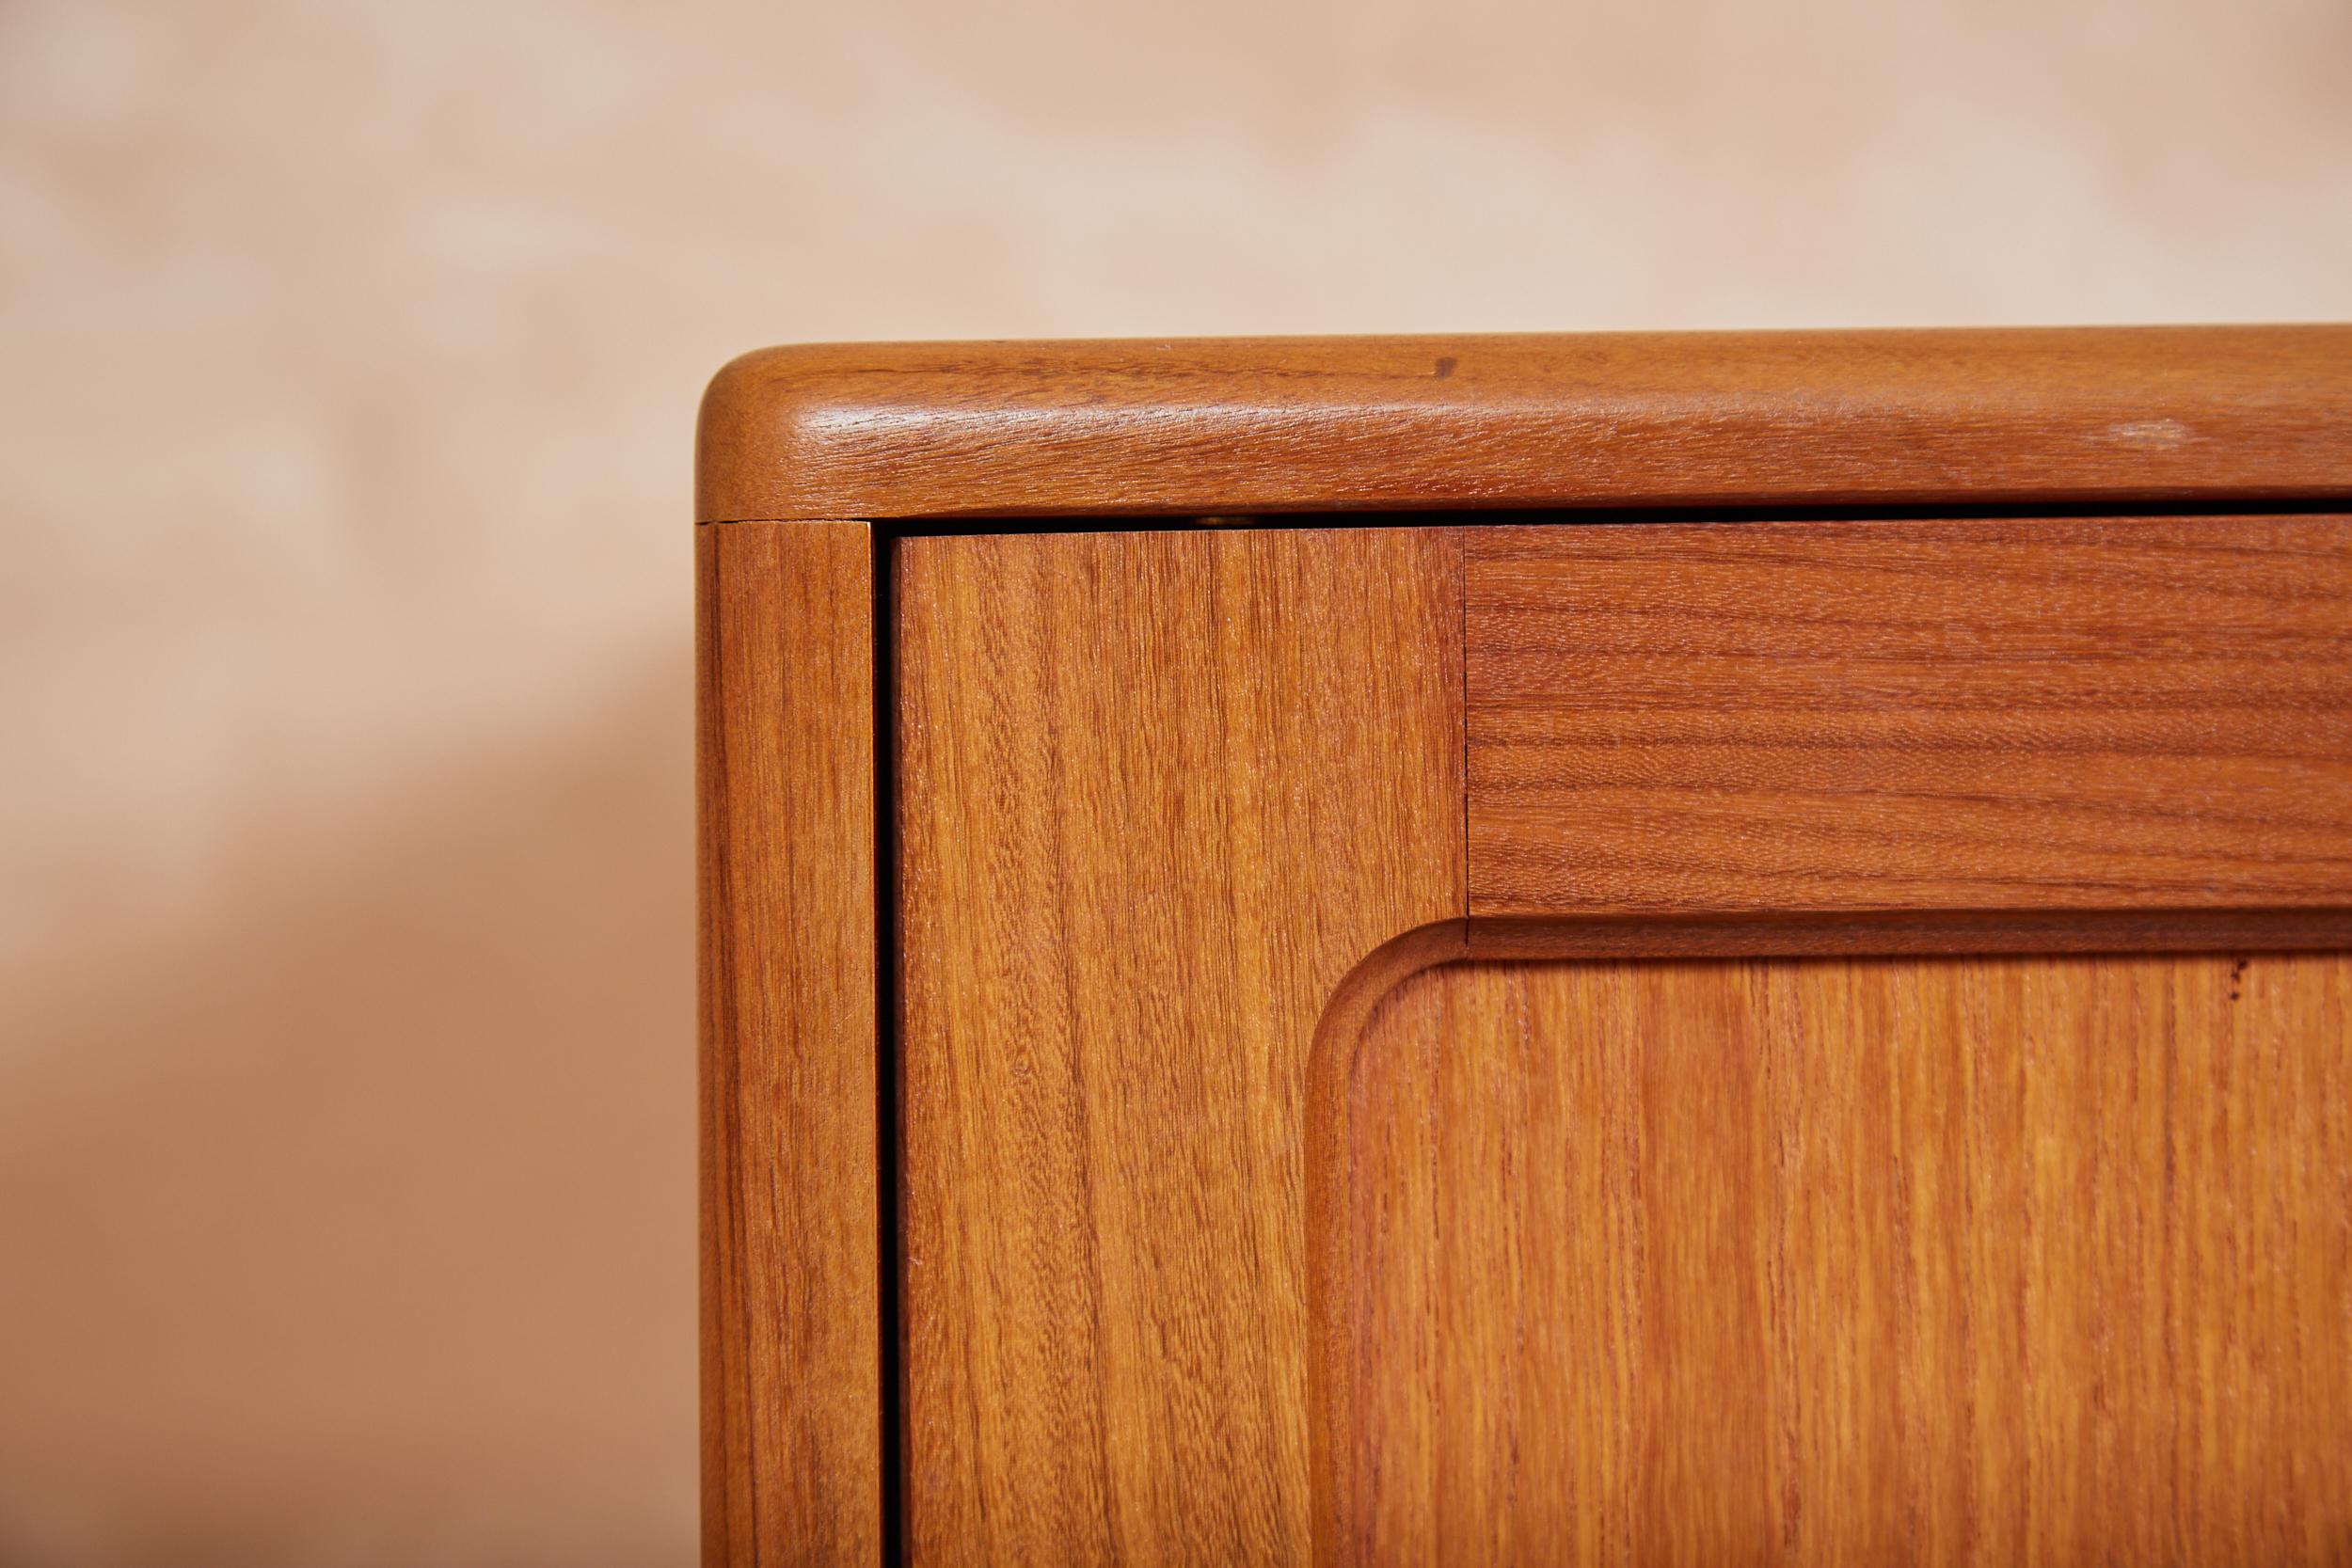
(1159, 793)
(1228, 426)
(2128, 713)
(1948, 1260)
(1247, 1212)
(791, 1251)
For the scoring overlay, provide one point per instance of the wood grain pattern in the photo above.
(1226, 426)
(792, 1460)
(1160, 793)
(1978, 1260)
(2121, 713)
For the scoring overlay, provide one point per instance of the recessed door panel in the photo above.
(1945, 1260)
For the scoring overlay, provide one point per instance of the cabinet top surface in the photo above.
(1174, 427)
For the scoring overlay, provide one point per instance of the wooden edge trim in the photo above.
(1240, 426)
(790, 1243)
(1338, 1072)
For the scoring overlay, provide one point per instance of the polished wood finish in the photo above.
(1239, 426)
(1159, 794)
(1510, 1042)
(2102, 714)
(1953, 1260)
(792, 1460)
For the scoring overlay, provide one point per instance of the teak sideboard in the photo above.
(1662, 949)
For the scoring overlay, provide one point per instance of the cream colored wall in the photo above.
(348, 355)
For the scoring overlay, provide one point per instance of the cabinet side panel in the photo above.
(1159, 794)
(2132, 713)
(791, 1245)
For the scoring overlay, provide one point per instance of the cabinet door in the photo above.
(1663, 1043)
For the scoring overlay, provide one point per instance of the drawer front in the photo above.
(1661, 1042)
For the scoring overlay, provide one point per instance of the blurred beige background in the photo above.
(348, 357)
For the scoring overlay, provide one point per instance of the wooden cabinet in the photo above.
(1623, 949)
